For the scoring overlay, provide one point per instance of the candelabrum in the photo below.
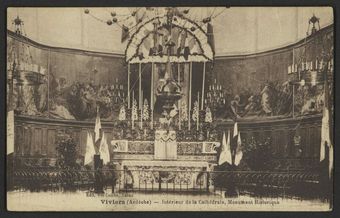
(309, 70)
(215, 97)
(118, 93)
(21, 69)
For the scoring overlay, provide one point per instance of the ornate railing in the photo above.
(257, 183)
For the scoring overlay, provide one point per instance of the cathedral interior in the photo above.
(185, 99)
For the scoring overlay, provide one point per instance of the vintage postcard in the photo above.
(170, 108)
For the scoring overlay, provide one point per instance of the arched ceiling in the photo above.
(237, 30)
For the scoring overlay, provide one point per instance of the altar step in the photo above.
(165, 163)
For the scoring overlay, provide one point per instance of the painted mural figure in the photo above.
(236, 106)
(266, 100)
(252, 106)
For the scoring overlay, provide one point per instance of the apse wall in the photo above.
(68, 72)
(74, 64)
(251, 71)
(298, 138)
(72, 70)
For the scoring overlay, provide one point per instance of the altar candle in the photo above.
(331, 65)
(141, 112)
(198, 109)
(311, 65)
(316, 64)
(132, 120)
(151, 114)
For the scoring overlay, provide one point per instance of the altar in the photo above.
(164, 175)
(159, 166)
(166, 143)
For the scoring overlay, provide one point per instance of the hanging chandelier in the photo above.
(20, 67)
(311, 70)
(170, 92)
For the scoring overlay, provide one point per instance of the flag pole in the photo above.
(293, 110)
(179, 101)
(128, 88)
(203, 86)
(141, 112)
(152, 93)
(140, 85)
(133, 103)
(198, 110)
(190, 84)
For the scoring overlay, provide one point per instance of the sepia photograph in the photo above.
(170, 108)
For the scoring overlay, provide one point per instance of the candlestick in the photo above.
(316, 65)
(141, 112)
(198, 109)
(311, 65)
(132, 115)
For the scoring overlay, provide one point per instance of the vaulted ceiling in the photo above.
(237, 30)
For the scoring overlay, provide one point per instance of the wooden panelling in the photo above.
(82, 142)
(76, 136)
(27, 139)
(51, 136)
(18, 141)
(44, 145)
(303, 133)
(35, 136)
(291, 150)
(37, 142)
(315, 143)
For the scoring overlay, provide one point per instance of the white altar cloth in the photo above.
(165, 145)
